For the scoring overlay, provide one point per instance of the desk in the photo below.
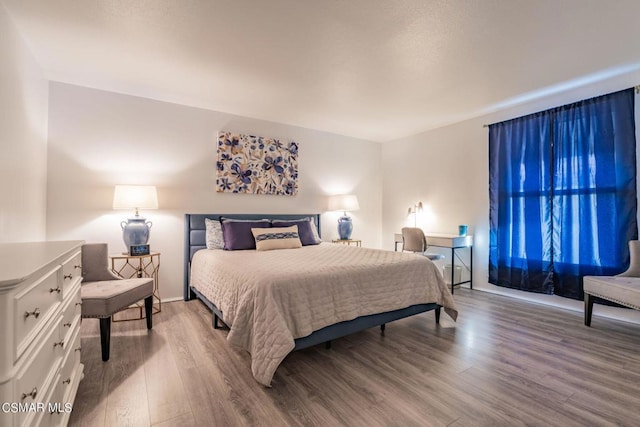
(451, 241)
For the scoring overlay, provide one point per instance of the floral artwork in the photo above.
(255, 164)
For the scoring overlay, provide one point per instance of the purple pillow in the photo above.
(307, 236)
(237, 233)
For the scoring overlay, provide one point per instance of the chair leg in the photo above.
(438, 315)
(105, 337)
(588, 309)
(148, 311)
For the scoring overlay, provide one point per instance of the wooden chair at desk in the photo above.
(414, 240)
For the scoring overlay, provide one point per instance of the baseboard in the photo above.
(174, 299)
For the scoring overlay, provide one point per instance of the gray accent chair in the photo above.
(104, 294)
(623, 289)
(414, 240)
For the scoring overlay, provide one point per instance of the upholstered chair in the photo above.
(634, 258)
(104, 293)
(623, 289)
(414, 240)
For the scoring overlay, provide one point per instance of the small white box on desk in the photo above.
(457, 274)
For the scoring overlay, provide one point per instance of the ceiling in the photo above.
(372, 69)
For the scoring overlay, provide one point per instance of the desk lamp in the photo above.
(415, 210)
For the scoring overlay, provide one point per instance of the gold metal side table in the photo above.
(132, 266)
(348, 242)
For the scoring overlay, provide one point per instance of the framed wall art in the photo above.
(256, 165)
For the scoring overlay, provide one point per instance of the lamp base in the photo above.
(345, 227)
(135, 231)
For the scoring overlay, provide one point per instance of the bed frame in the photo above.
(194, 237)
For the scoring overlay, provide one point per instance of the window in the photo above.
(563, 195)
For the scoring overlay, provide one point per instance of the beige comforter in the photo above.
(269, 298)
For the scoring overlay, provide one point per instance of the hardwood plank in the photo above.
(505, 362)
(184, 420)
(127, 380)
(91, 403)
(204, 388)
(165, 391)
(233, 379)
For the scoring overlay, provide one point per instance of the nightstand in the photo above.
(348, 242)
(131, 266)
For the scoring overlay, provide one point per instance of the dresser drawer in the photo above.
(70, 365)
(35, 379)
(71, 273)
(52, 413)
(71, 309)
(35, 303)
(58, 397)
(33, 307)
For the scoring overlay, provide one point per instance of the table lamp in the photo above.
(135, 230)
(344, 202)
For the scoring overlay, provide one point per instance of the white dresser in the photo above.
(39, 332)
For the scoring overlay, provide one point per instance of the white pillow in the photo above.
(214, 237)
(277, 238)
(314, 229)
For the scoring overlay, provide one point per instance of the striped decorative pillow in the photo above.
(306, 229)
(276, 238)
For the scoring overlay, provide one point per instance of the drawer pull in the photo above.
(60, 343)
(77, 266)
(52, 290)
(67, 325)
(35, 313)
(77, 349)
(32, 395)
(68, 276)
(78, 303)
(67, 381)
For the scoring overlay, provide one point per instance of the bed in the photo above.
(278, 301)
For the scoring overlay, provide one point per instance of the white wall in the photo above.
(98, 139)
(447, 169)
(23, 138)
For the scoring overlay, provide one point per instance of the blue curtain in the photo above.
(562, 188)
(520, 216)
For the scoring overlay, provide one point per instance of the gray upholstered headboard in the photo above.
(195, 234)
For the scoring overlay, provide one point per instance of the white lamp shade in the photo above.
(135, 197)
(344, 202)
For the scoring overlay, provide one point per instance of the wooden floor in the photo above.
(505, 362)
